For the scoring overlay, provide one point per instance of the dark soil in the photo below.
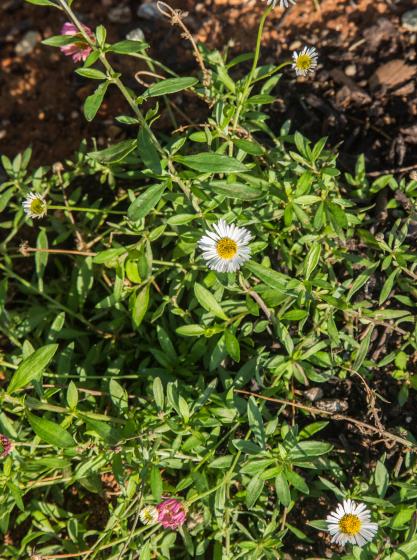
(362, 95)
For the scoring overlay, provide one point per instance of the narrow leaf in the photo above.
(32, 367)
(51, 432)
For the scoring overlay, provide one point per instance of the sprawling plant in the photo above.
(169, 306)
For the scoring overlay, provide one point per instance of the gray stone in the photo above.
(313, 394)
(120, 14)
(409, 20)
(27, 43)
(148, 11)
(136, 35)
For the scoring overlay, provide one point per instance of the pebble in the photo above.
(27, 43)
(313, 394)
(332, 405)
(295, 45)
(350, 70)
(120, 14)
(409, 20)
(136, 35)
(148, 11)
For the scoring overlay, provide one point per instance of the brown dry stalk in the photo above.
(408, 444)
(176, 18)
(25, 250)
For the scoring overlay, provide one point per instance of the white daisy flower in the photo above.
(226, 248)
(305, 61)
(149, 515)
(351, 523)
(280, 3)
(35, 205)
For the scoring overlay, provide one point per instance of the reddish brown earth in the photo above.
(362, 95)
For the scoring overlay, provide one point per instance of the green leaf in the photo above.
(72, 395)
(363, 349)
(207, 162)
(118, 395)
(406, 551)
(254, 490)
(248, 147)
(115, 153)
(32, 367)
(283, 490)
(190, 330)
(145, 202)
(50, 432)
(158, 393)
(387, 287)
(171, 85)
(91, 73)
(41, 2)
(109, 255)
(306, 450)
(148, 152)
(236, 190)
(312, 259)
(140, 306)
(206, 299)
(59, 40)
(232, 345)
(156, 483)
(270, 277)
(381, 479)
(127, 46)
(256, 422)
(93, 102)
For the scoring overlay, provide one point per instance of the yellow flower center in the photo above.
(350, 524)
(303, 62)
(37, 206)
(226, 248)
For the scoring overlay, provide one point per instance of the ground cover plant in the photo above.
(208, 340)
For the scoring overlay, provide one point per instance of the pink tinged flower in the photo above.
(79, 49)
(5, 446)
(171, 513)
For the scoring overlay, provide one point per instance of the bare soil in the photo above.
(362, 96)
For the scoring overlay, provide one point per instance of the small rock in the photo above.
(332, 405)
(74, 115)
(3, 134)
(12, 5)
(409, 20)
(136, 35)
(313, 394)
(148, 11)
(295, 45)
(27, 43)
(350, 70)
(120, 14)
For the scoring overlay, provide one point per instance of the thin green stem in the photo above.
(82, 209)
(249, 79)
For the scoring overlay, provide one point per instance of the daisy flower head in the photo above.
(79, 49)
(351, 523)
(280, 3)
(35, 205)
(305, 61)
(226, 248)
(149, 515)
(171, 513)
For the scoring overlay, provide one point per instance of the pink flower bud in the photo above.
(5, 446)
(171, 513)
(79, 49)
